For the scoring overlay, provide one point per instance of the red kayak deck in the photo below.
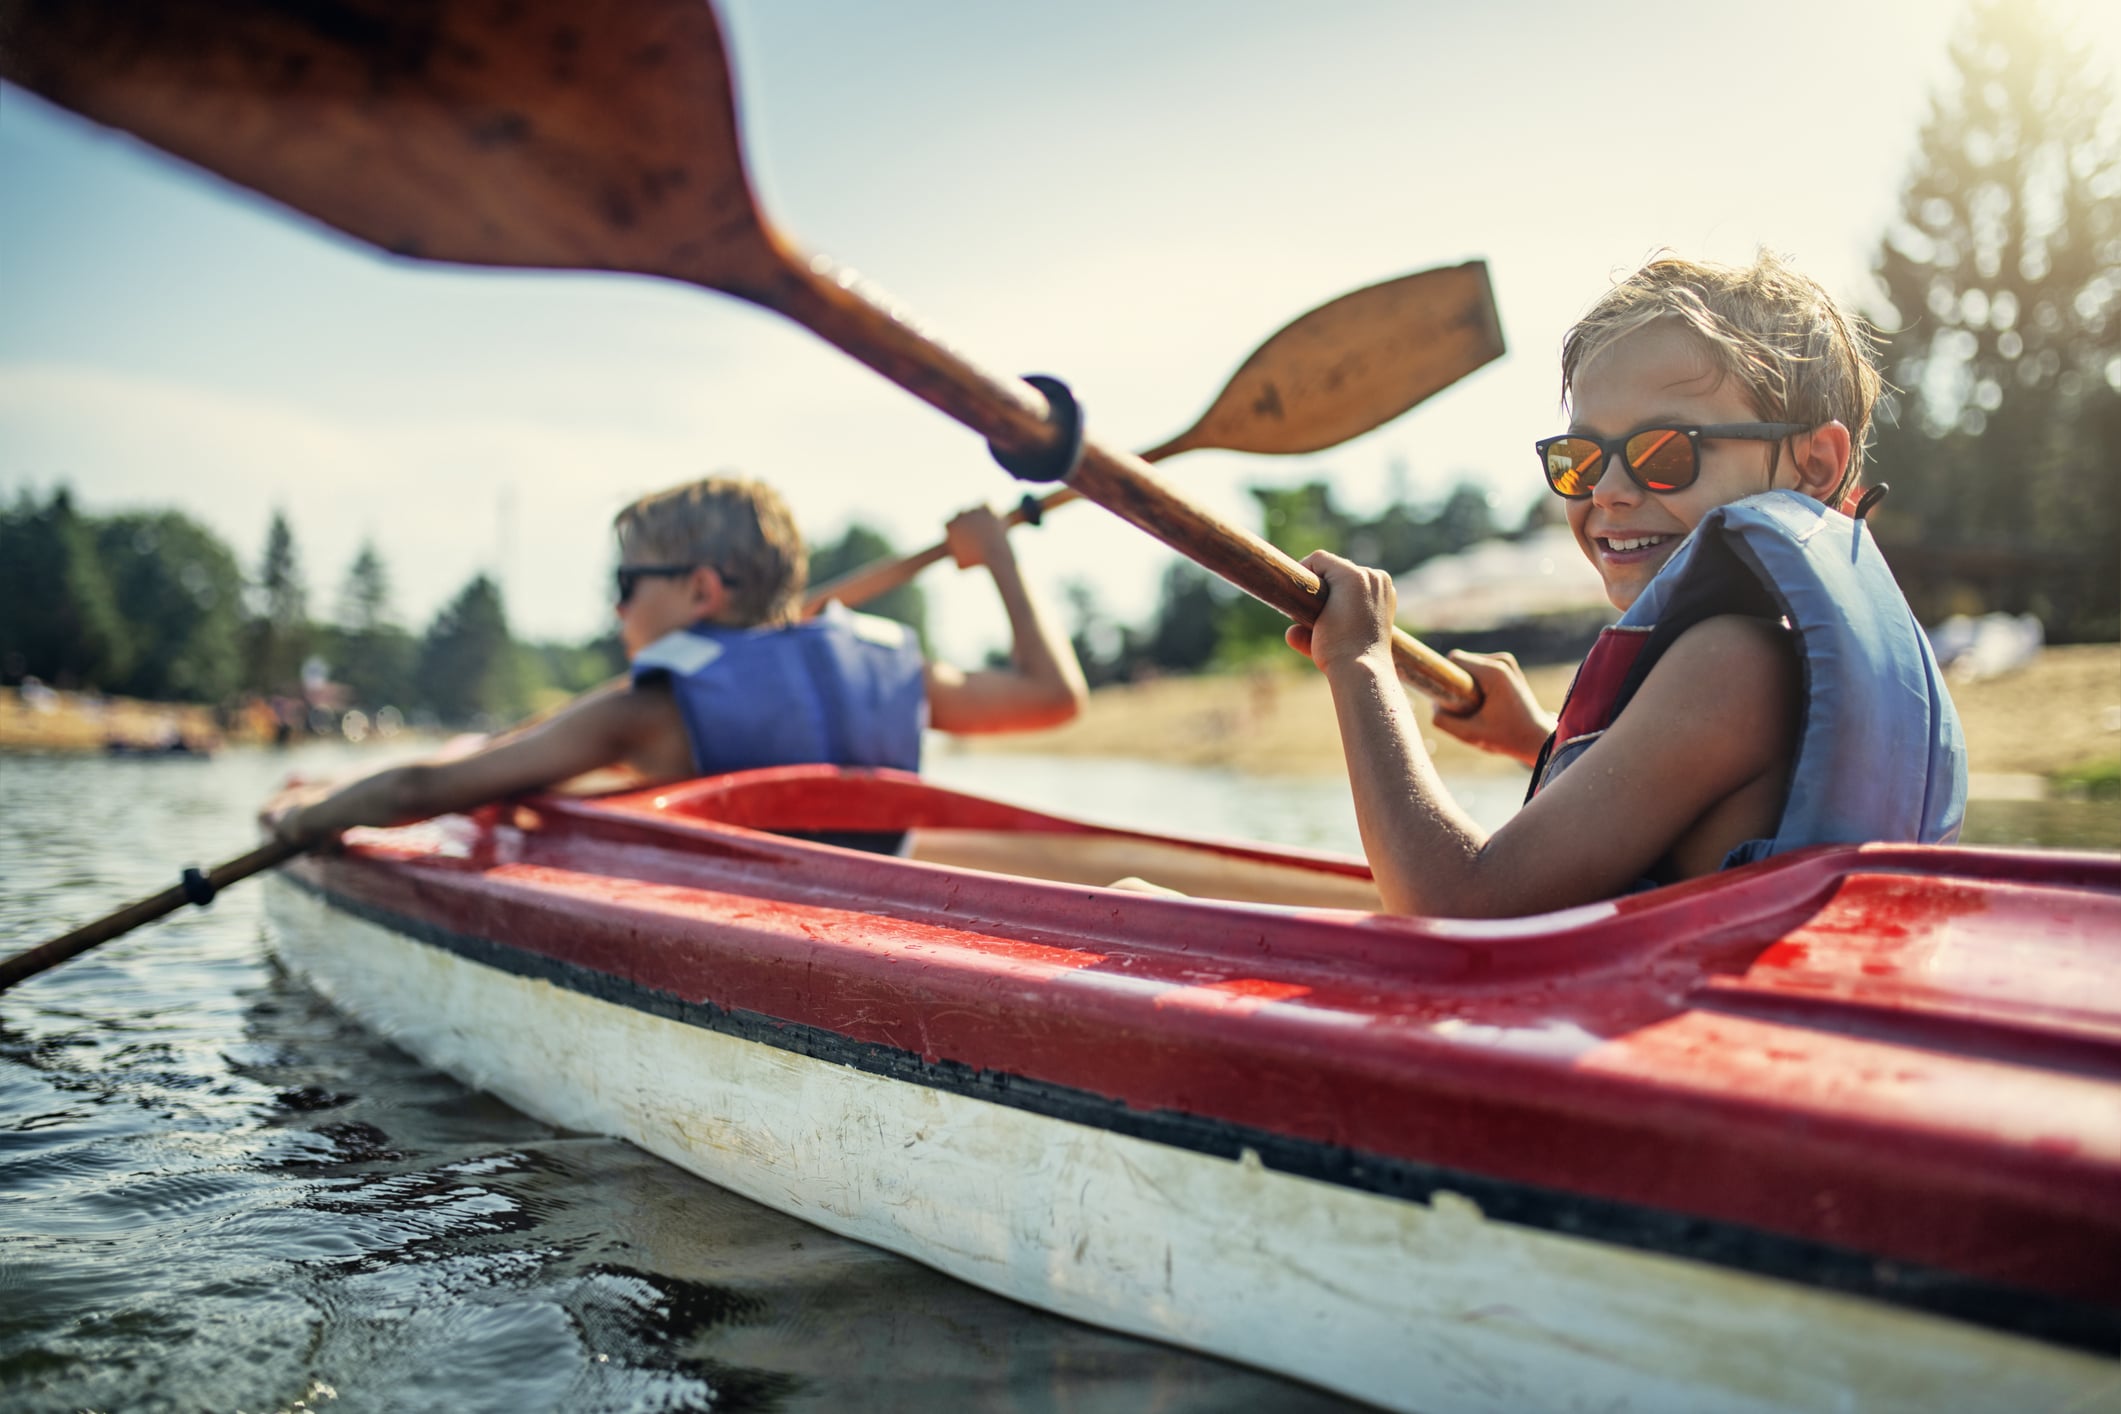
(1888, 1070)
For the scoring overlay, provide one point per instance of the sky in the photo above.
(1131, 195)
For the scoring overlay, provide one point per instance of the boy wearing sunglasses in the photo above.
(727, 674)
(1766, 687)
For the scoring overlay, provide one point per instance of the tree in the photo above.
(279, 630)
(2003, 277)
(59, 617)
(364, 599)
(1106, 650)
(371, 654)
(468, 669)
(857, 547)
(1185, 633)
(180, 593)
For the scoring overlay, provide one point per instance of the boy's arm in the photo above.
(637, 727)
(1696, 762)
(1044, 686)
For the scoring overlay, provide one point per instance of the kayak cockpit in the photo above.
(959, 831)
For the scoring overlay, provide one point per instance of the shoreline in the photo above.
(2059, 714)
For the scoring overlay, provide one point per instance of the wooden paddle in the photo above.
(198, 887)
(1345, 368)
(523, 135)
(540, 134)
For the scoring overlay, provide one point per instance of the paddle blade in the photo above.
(1353, 364)
(534, 133)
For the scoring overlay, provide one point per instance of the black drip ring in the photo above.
(1032, 509)
(1065, 417)
(198, 888)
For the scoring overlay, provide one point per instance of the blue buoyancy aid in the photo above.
(1880, 755)
(843, 689)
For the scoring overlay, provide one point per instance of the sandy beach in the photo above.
(2060, 713)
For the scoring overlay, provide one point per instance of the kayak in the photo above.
(1837, 1130)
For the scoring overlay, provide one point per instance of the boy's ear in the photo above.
(709, 595)
(1820, 456)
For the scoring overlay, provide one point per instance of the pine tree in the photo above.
(280, 630)
(469, 669)
(181, 594)
(2003, 274)
(59, 617)
(364, 599)
(372, 656)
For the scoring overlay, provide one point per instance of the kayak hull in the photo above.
(668, 1012)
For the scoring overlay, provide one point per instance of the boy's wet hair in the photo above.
(1797, 354)
(739, 527)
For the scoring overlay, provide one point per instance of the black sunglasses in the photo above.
(631, 575)
(1657, 459)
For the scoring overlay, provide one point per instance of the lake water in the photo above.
(216, 1193)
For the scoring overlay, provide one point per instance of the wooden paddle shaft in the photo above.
(858, 586)
(31, 961)
(1012, 415)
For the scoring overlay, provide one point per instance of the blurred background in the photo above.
(249, 466)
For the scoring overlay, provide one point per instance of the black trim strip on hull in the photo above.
(1933, 1291)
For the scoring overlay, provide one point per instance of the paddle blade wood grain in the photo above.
(478, 131)
(1352, 365)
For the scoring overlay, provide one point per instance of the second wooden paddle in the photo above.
(1345, 368)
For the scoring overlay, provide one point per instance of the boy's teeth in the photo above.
(1639, 543)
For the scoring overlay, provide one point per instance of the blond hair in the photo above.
(1798, 356)
(738, 527)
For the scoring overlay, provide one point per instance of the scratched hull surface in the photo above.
(1855, 1112)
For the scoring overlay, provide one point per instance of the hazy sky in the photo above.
(1132, 195)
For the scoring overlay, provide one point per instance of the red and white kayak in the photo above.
(1837, 1131)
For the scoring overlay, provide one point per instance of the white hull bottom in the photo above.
(1425, 1307)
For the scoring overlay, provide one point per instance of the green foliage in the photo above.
(2095, 780)
(364, 599)
(2003, 272)
(59, 616)
(151, 604)
(574, 668)
(375, 665)
(1202, 621)
(1108, 651)
(469, 670)
(180, 593)
(1300, 519)
(1186, 631)
(370, 654)
(860, 545)
(279, 637)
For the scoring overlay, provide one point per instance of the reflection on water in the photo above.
(220, 1194)
(2059, 824)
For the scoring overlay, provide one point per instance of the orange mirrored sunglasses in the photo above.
(1658, 459)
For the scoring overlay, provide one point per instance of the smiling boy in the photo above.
(1766, 687)
(726, 674)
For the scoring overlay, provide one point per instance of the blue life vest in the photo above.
(1880, 755)
(842, 689)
